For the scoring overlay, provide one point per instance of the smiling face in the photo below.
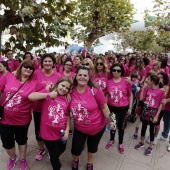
(68, 66)
(48, 63)
(82, 77)
(26, 71)
(63, 88)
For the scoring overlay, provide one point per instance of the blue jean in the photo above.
(166, 119)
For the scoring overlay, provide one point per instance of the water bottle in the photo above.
(62, 140)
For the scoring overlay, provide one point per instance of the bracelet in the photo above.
(48, 94)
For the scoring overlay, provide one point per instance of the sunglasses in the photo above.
(26, 67)
(118, 71)
(85, 64)
(101, 64)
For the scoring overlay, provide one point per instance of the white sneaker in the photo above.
(168, 147)
(162, 138)
(155, 140)
(148, 139)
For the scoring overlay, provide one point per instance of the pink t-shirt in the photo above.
(101, 80)
(153, 97)
(128, 70)
(85, 107)
(70, 76)
(44, 80)
(141, 74)
(54, 117)
(13, 65)
(3, 75)
(18, 109)
(60, 68)
(118, 93)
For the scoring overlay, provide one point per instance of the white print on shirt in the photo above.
(15, 100)
(150, 101)
(116, 95)
(56, 113)
(102, 84)
(80, 112)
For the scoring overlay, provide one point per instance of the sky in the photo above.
(141, 5)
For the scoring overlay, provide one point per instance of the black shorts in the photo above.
(79, 140)
(12, 133)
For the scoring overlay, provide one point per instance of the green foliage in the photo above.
(96, 18)
(32, 23)
(138, 40)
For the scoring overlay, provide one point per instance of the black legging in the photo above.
(121, 116)
(151, 129)
(55, 149)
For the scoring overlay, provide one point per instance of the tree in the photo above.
(138, 40)
(33, 22)
(96, 18)
(161, 11)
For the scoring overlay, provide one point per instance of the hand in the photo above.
(128, 79)
(155, 119)
(48, 87)
(164, 101)
(53, 94)
(68, 96)
(113, 126)
(129, 111)
(66, 134)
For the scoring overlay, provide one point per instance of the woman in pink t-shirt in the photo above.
(100, 74)
(17, 111)
(89, 109)
(47, 77)
(152, 98)
(54, 118)
(129, 66)
(4, 70)
(120, 98)
(61, 63)
(68, 64)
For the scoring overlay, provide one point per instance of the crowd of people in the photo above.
(82, 95)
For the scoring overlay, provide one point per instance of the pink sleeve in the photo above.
(129, 88)
(145, 93)
(99, 96)
(2, 84)
(39, 87)
(16, 64)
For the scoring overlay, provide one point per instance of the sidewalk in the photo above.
(110, 159)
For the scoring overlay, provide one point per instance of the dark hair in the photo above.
(24, 62)
(130, 60)
(117, 65)
(80, 57)
(5, 64)
(90, 82)
(155, 78)
(134, 75)
(164, 62)
(165, 77)
(68, 59)
(120, 58)
(45, 56)
(26, 54)
(8, 50)
(146, 61)
(61, 80)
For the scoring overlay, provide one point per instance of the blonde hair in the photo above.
(88, 60)
(105, 69)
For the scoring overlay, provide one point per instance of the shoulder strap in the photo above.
(14, 94)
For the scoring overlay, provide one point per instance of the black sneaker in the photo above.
(90, 166)
(75, 165)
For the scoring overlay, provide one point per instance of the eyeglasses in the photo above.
(118, 71)
(85, 64)
(26, 67)
(101, 64)
(68, 65)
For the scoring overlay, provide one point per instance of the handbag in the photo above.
(2, 106)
